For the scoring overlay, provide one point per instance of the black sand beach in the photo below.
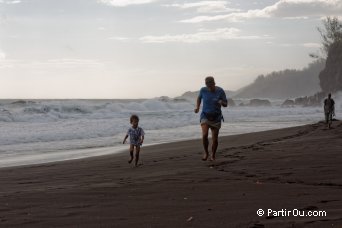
(294, 168)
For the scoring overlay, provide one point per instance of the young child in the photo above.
(136, 138)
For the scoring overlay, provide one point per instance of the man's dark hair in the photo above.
(209, 80)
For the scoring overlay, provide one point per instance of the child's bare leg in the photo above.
(137, 151)
(131, 149)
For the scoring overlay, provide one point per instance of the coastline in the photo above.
(61, 155)
(292, 168)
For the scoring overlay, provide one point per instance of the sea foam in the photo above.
(48, 126)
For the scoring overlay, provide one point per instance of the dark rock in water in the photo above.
(259, 102)
(23, 102)
(179, 99)
(19, 102)
(315, 100)
(168, 99)
(301, 101)
(288, 103)
(164, 98)
(331, 77)
(241, 104)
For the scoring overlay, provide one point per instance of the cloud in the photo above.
(4, 62)
(124, 3)
(2, 55)
(205, 6)
(71, 62)
(287, 9)
(303, 8)
(10, 1)
(312, 45)
(230, 17)
(119, 38)
(63, 63)
(306, 45)
(201, 36)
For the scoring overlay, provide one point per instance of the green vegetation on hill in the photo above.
(331, 76)
(285, 84)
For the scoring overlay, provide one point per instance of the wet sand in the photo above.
(293, 168)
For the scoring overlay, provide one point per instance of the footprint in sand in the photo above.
(328, 201)
(257, 225)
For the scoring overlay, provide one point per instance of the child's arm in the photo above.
(142, 139)
(123, 142)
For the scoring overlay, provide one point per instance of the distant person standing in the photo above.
(213, 98)
(329, 110)
(136, 138)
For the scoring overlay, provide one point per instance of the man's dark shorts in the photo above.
(211, 124)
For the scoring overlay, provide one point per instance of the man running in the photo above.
(213, 98)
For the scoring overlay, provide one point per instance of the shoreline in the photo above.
(291, 168)
(84, 153)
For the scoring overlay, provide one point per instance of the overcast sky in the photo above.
(150, 48)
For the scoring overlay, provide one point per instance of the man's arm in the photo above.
(223, 101)
(198, 104)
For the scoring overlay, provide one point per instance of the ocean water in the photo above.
(39, 131)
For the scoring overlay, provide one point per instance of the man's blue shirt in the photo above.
(210, 100)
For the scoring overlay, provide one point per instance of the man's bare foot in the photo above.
(205, 157)
(130, 161)
(212, 158)
(138, 164)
